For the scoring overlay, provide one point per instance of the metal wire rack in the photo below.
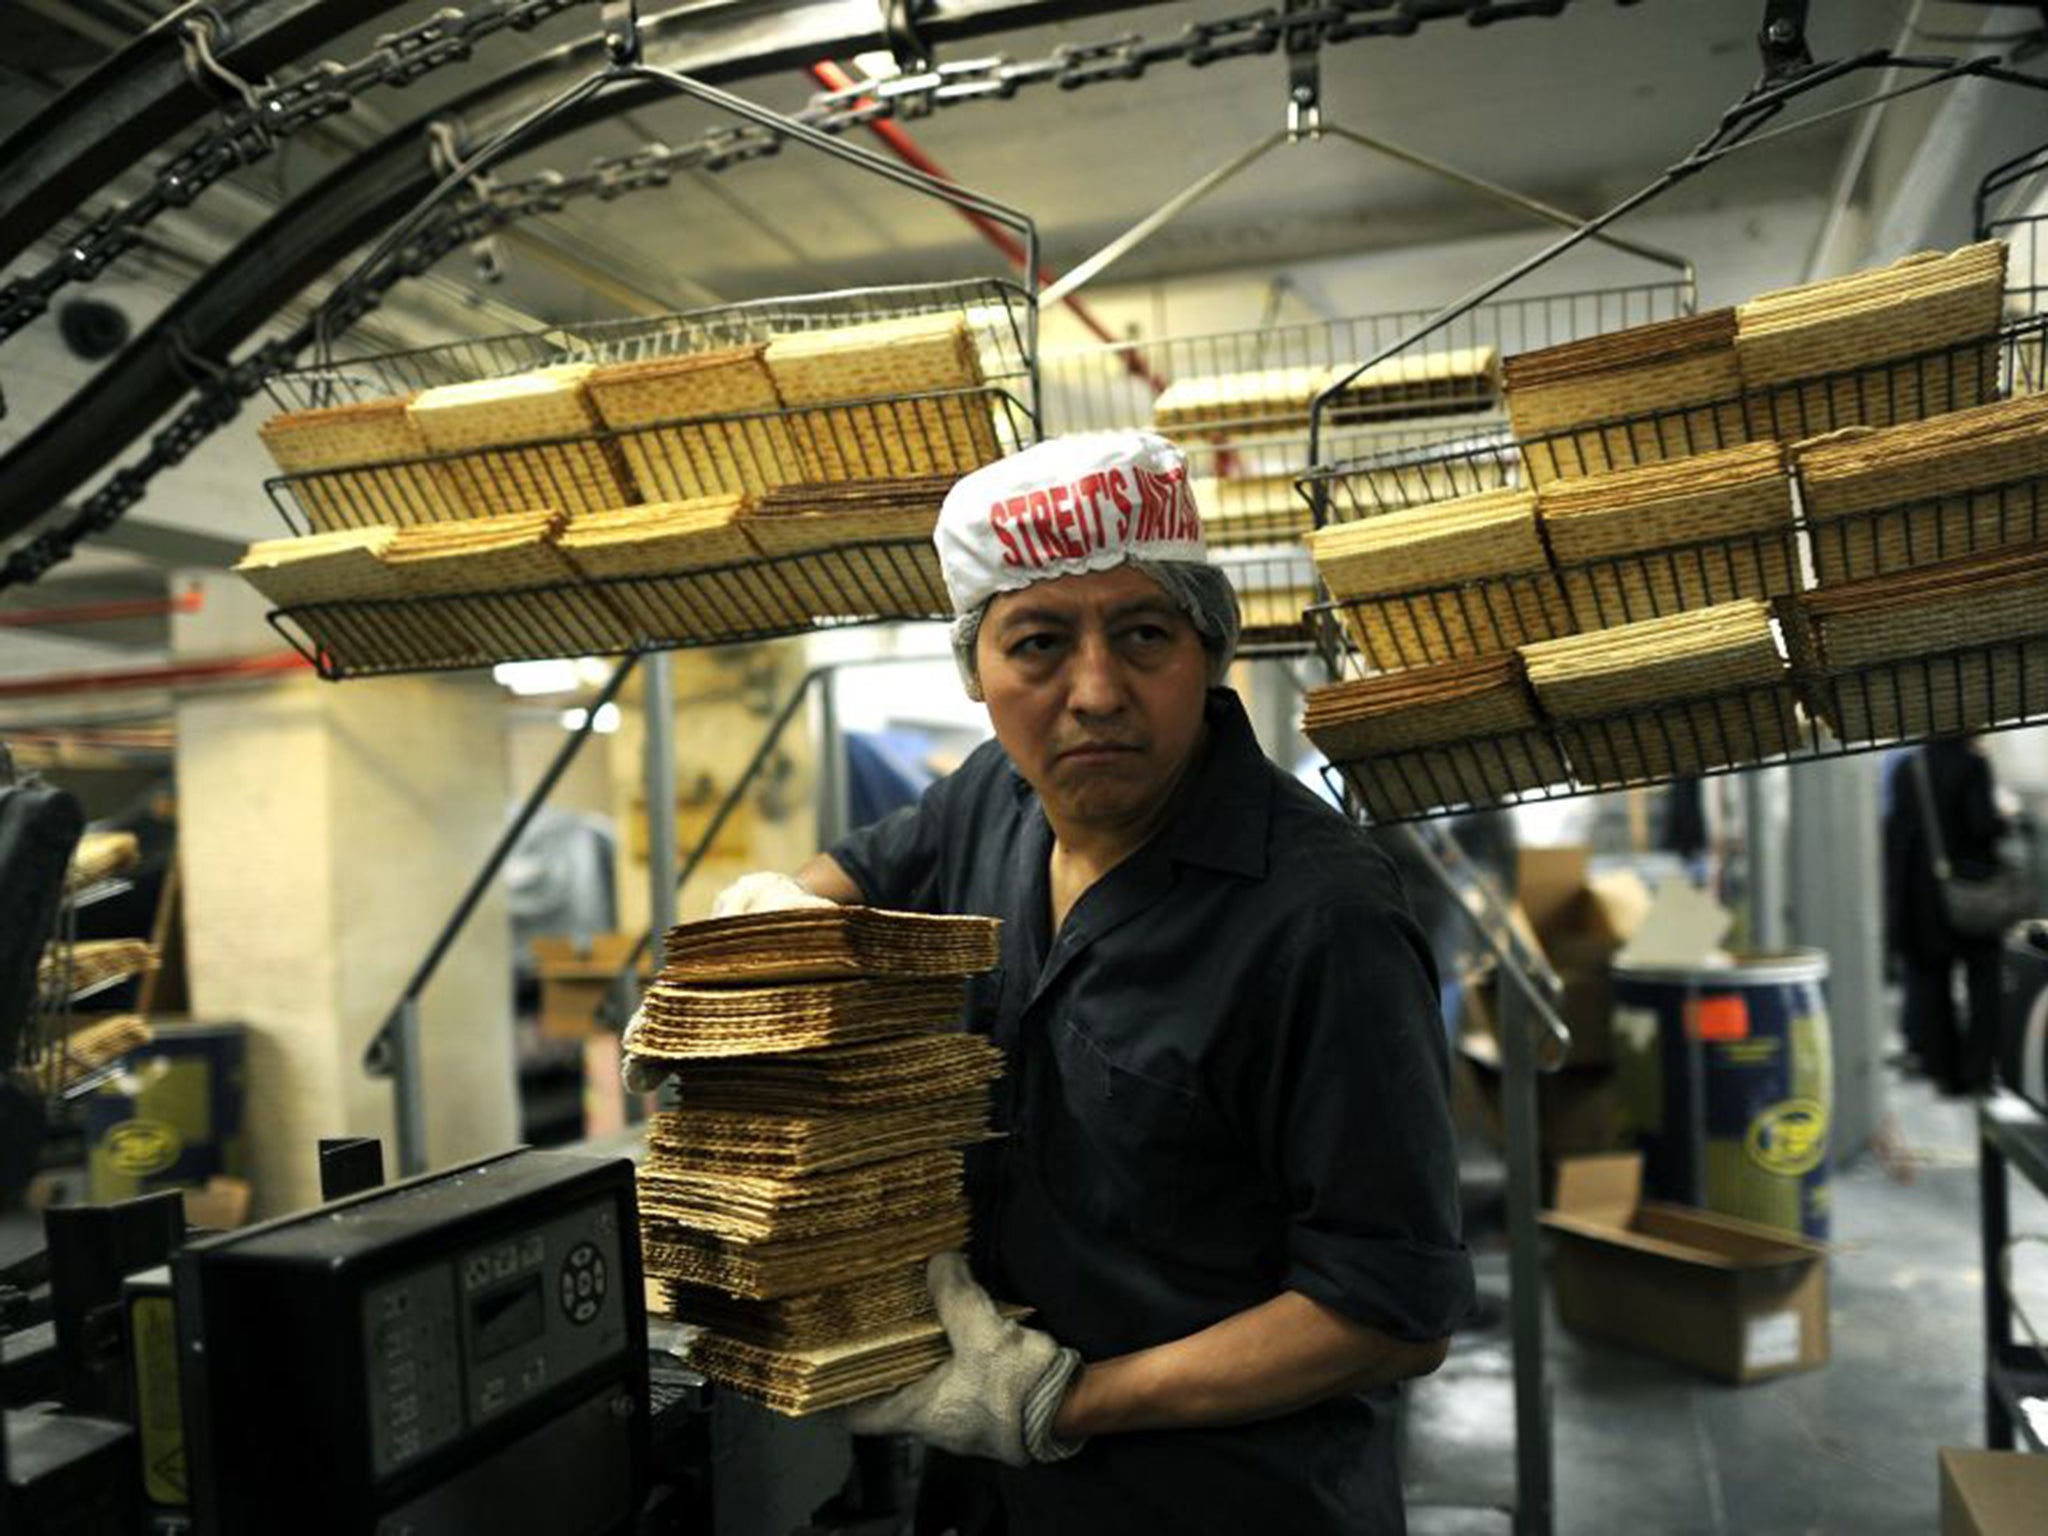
(1246, 465)
(866, 571)
(998, 313)
(1901, 389)
(743, 601)
(1816, 711)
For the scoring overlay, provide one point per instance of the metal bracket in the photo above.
(197, 33)
(912, 54)
(447, 149)
(1782, 41)
(1304, 77)
(621, 26)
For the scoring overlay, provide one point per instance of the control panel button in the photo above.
(581, 1283)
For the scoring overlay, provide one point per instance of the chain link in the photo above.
(245, 134)
(447, 37)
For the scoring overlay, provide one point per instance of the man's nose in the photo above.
(1095, 680)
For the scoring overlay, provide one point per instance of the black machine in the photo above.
(466, 1351)
(469, 1353)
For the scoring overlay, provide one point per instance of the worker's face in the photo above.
(1094, 686)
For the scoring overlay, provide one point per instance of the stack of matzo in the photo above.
(341, 594)
(681, 571)
(812, 1162)
(1812, 354)
(1687, 533)
(858, 550)
(1435, 583)
(1879, 500)
(502, 583)
(357, 465)
(523, 443)
(845, 388)
(92, 963)
(1461, 732)
(1932, 650)
(1279, 399)
(706, 424)
(101, 856)
(1252, 509)
(1653, 392)
(1675, 695)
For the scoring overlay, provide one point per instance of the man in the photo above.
(1227, 1183)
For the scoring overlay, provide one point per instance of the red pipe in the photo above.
(95, 613)
(907, 149)
(235, 670)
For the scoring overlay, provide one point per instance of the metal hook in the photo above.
(621, 21)
(912, 54)
(196, 34)
(1304, 78)
(1782, 40)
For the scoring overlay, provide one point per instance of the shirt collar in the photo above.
(1226, 804)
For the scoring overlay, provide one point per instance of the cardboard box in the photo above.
(1992, 1493)
(1733, 1298)
(1577, 1109)
(1578, 920)
(575, 980)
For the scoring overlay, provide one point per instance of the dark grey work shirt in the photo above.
(1226, 1080)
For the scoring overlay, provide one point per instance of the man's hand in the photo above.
(996, 1397)
(764, 891)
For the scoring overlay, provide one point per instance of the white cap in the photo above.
(1063, 508)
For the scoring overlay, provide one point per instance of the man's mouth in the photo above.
(1096, 751)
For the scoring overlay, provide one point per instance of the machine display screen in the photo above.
(505, 1319)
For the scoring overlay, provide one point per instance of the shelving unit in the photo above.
(2011, 1135)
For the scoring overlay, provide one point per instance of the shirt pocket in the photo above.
(1119, 1136)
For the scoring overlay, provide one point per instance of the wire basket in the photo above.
(1245, 466)
(999, 314)
(1994, 683)
(1903, 389)
(683, 408)
(749, 600)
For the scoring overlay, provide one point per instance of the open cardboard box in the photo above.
(575, 977)
(1578, 920)
(1578, 1109)
(1992, 1493)
(1733, 1298)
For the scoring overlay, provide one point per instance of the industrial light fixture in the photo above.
(605, 724)
(528, 678)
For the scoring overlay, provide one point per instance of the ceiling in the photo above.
(1578, 110)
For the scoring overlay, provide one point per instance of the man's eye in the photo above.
(1034, 645)
(1147, 634)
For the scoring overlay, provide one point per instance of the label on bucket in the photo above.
(1718, 1018)
(1771, 1341)
(1789, 1138)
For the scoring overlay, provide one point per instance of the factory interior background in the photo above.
(379, 860)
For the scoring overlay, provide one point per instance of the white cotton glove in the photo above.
(998, 1394)
(764, 891)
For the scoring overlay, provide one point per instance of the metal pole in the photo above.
(403, 1055)
(660, 712)
(832, 796)
(1766, 860)
(1534, 1493)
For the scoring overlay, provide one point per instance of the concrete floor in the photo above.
(1641, 1445)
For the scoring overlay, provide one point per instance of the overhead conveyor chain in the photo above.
(256, 117)
(184, 349)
